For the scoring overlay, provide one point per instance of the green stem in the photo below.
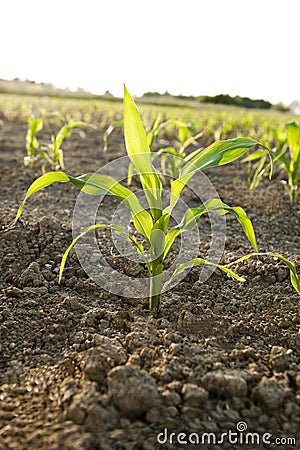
(154, 301)
(155, 285)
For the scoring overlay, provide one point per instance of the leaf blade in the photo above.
(200, 261)
(116, 228)
(103, 184)
(40, 183)
(216, 154)
(139, 153)
(220, 153)
(295, 280)
(94, 184)
(192, 215)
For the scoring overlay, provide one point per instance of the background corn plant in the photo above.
(285, 156)
(49, 152)
(153, 223)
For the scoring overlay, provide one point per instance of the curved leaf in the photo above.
(192, 215)
(293, 272)
(94, 184)
(256, 155)
(220, 153)
(42, 182)
(103, 184)
(117, 229)
(108, 132)
(197, 261)
(216, 154)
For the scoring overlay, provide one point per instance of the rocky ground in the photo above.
(82, 368)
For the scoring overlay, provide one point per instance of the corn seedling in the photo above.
(285, 155)
(291, 160)
(261, 164)
(173, 158)
(49, 152)
(153, 223)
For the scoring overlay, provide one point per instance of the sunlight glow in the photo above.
(195, 47)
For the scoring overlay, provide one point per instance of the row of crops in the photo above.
(218, 122)
(153, 239)
(280, 132)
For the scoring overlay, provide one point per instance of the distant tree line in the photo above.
(225, 99)
(237, 101)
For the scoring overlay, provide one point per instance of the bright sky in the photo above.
(191, 47)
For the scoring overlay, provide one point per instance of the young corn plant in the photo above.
(261, 163)
(50, 152)
(153, 223)
(291, 161)
(285, 155)
(173, 158)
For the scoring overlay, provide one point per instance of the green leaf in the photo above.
(169, 240)
(220, 153)
(139, 153)
(192, 216)
(216, 154)
(191, 141)
(94, 184)
(108, 132)
(130, 173)
(259, 173)
(292, 134)
(103, 184)
(293, 140)
(255, 155)
(293, 272)
(169, 151)
(244, 221)
(42, 151)
(116, 228)
(65, 132)
(197, 261)
(171, 161)
(189, 157)
(157, 241)
(151, 135)
(42, 182)
(176, 188)
(60, 156)
(162, 223)
(34, 126)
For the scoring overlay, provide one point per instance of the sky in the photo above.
(189, 47)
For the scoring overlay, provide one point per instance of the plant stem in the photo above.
(154, 301)
(155, 285)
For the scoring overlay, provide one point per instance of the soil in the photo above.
(82, 368)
